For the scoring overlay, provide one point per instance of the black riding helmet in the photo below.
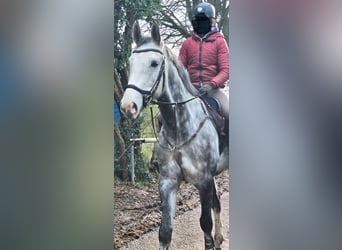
(204, 10)
(202, 17)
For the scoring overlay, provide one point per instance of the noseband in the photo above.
(148, 94)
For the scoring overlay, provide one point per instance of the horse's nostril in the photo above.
(135, 106)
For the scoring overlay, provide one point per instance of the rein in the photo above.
(178, 146)
(174, 103)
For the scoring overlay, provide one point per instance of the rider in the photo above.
(205, 56)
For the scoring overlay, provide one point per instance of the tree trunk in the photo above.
(121, 157)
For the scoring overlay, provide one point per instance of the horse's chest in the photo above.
(193, 169)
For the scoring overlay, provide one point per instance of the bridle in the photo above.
(148, 94)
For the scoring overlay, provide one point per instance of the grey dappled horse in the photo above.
(188, 147)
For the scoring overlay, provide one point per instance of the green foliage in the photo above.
(126, 12)
(147, 149)
(141, 171)
(133, 129)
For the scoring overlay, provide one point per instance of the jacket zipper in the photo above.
(200, 63)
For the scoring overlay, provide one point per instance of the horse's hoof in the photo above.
(218, 239)
(164, 247)
(209, 245)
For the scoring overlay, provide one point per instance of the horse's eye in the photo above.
(154, 64)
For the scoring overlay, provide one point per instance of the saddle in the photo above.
(215, 115)
(220, 123)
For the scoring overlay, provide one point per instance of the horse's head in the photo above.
(146, 72)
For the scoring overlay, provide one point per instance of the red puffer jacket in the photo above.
(206, 59)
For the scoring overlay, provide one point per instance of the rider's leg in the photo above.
(222, 98)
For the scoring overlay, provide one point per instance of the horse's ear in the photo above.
(155, 33)
(136, 32)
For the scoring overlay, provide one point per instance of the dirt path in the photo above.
(187, 234)
(137, 216)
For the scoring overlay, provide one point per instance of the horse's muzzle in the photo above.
(129, 109)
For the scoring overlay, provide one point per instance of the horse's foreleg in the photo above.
(168, 192)
(218, 226)
(206, 197)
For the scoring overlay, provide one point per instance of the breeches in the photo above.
(222, 97)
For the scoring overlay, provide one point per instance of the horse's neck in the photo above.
(180, 115)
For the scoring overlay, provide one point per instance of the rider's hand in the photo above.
(206, 88)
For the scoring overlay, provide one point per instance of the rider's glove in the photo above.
(206, 88)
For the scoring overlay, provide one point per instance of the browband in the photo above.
(148, 50)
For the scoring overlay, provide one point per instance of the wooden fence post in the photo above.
(132, 162)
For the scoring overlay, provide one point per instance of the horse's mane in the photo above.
(183, 74)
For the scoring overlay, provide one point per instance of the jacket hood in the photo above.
(214, 34)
